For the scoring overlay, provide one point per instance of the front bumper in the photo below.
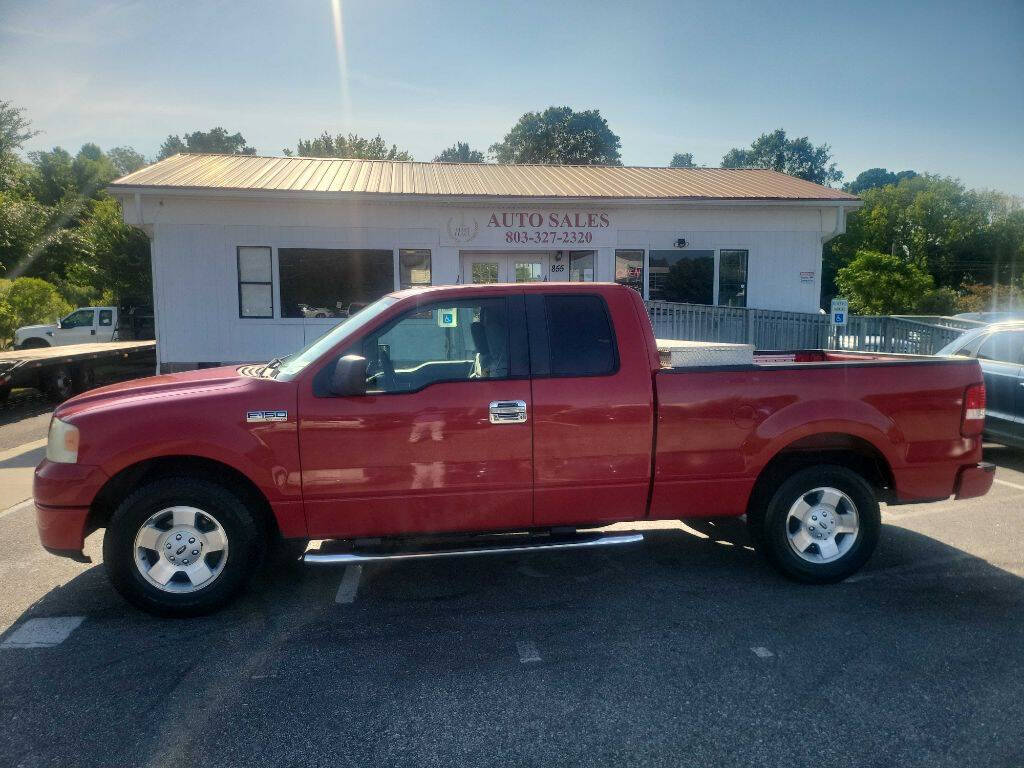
(975, 480)
(62, 529)
(63, 494)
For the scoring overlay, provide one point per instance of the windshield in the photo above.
(294, 364)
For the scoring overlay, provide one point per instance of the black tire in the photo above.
(58, 383)
(245, 550)
(5, 393)
(770, 525)
(33, 344)
(83, 378)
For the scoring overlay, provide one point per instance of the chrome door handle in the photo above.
(508, 412)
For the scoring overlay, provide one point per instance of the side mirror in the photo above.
(349, 377)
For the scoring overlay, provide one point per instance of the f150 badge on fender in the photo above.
(257, 416)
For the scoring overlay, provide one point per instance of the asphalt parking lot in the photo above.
(683, 650)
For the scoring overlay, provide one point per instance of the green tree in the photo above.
(460, 153)
(28, 301)
(23, 225)
(126, 160)
(15, 130)
(797, 157)
(559, 136)
(214, 141)
(56, 175)
(883, 284)
(682, 160)
(957, 235)
(117, 263)
(352, 146)
(873, 178)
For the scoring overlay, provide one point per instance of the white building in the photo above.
(255, 256)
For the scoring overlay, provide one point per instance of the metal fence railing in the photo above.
(776, 329)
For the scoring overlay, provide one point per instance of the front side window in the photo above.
(580, 337)
(329, 282)
(82, 318)
(414, 267)
(449, 341)
(255, 282)
(683, 276)
(1004, 347)
(732, 278)
(629, 269)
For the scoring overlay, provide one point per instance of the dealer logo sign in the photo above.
(461, 231)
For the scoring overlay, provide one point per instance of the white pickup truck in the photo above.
(83, 326)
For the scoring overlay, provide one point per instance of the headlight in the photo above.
(62, 442)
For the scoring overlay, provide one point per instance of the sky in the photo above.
(931, 86)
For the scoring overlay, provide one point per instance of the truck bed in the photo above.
(718, 426)
(72, 353)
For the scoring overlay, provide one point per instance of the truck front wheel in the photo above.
(181, 546)
(820, 526)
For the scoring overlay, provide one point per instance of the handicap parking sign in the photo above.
(447, 318)
(840, 311)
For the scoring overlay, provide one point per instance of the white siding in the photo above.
(195, 268)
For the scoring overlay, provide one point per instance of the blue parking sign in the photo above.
(840, 311)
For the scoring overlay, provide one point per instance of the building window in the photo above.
(323, 282)
(629, 269)
(255, 282)
(582, 266)
(414, 267)
(732, 278)
(683, 276)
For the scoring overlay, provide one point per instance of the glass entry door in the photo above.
(505, 267)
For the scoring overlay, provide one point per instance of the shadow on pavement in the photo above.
(24, 460)
(680, 650)
(1005, 457)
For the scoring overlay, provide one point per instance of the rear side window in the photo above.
(106, 317)
(1004, 346)
(580, 337)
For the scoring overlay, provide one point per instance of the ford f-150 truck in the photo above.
(482, 418)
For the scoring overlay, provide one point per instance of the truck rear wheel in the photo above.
(83, 378)
(58, 383)
(820, 526)
(181, 547)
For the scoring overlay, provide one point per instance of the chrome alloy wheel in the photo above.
(822, 525)
(181, 549)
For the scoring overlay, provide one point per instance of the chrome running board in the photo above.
(319, 557)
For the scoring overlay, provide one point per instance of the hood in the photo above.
(156, 388)
(31, 329)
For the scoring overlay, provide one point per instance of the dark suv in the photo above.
(1000, 350)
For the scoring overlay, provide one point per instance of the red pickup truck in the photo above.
(511, 415)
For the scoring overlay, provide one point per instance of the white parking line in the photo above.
(22, 449)
(1008, 484)
(527, 651)
(349, 584)
(43, 633)
(16, 508)
(761, 652)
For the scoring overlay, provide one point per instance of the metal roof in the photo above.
(202, 172)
